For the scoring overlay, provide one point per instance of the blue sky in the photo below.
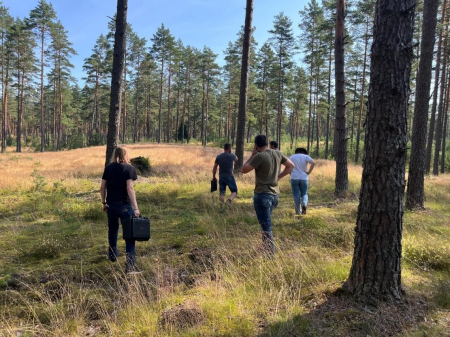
(197, 22)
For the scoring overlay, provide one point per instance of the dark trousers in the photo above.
(124, 212)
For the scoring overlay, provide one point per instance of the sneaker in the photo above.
(132, 270)
(303, 209)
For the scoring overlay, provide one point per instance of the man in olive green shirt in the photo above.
(266, 163)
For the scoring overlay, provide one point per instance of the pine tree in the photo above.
(24, 60)
(376, 267)
(245, 69)
(41, 21)
(415, 190)
(163, 43)
(116, 79)
(6, 21)
(284, 43)
(341, 182)
(60, 51)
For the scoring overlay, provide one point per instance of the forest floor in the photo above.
(203, 274)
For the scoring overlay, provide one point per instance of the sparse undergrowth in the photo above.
(202, 271)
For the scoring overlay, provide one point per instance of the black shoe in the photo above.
(132, 270)
(303, 209)
(112, 258)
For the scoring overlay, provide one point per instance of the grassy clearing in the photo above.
(203, 274)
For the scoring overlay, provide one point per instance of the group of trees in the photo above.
(172, 92)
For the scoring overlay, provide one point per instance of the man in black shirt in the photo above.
(225, 162)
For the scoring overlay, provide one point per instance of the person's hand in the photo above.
(137, 213)
(255, 150)
(214, 178)
(105, 208)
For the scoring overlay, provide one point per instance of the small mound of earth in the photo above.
(142, 166)
(183, 316)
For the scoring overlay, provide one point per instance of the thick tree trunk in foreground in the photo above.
(414, 192)
(341, 182)
(116, 79)
(240, 136)
(376, 269)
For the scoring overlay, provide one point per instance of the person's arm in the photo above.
(132, 195)
(215, 171)
(288, 167)
(235, 158)
(312, 163)
(246, 168)
(103, 194)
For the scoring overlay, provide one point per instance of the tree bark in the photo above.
(435, 93)
(415, 190)
(341, 182)
(245, 66)
(116, 79)
(361, 102)
(439, 122)
(376, 268)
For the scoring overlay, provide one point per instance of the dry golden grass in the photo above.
(182, 163)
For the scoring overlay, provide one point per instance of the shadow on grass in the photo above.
(340, 315)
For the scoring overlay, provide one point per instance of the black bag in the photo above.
(137, 229)
(213, 185)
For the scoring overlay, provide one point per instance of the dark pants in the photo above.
(124, 212)
(264, 203)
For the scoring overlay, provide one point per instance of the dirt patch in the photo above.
(183, 316)
(341, 315)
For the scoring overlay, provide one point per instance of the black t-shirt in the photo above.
(116, 176)
(225, 162)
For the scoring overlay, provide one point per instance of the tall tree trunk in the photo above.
(310, 94)
(169, 101)
(136, 103)
(5, 106)
(444, 131)
(363, 87)
(376, 268)
(19, 106)
(178, 114)
(184, 105)
(435, 93)
(116, 79)
(341, 182)
(415, 190)
(229, 110)
(202, 131)
(353, 112)
(124, 122)
(439, 122)
(160, 101)
(245, 66)
(327, 136)
(58, 143)
(42, 91)
(3, 94)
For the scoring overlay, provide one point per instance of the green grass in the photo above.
(55, 279)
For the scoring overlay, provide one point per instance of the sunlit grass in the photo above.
(202, 267)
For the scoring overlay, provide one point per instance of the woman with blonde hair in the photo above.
(119, 202)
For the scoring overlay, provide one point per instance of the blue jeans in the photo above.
(299, 188)
(264, 203)
(124, 212)
(227, 181)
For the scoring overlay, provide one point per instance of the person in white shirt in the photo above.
(299, 178)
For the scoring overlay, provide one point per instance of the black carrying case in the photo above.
(137, 229)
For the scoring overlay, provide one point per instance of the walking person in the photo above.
(119, 202)
(225, 162)
(274, 145)
(299, 178)
(266, 163)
